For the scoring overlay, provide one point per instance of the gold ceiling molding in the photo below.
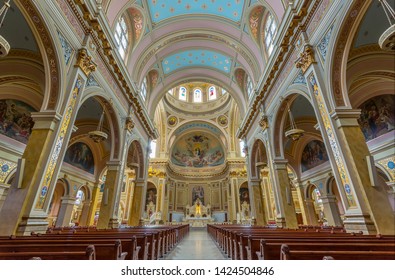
(92, 26)
(298, 24)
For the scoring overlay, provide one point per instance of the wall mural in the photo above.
(377, 116)
(80, 156)
(15, 119)
(198, 192)
(197, 150)
(313, 155)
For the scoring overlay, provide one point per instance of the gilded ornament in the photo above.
(306, 58)
(84, 61)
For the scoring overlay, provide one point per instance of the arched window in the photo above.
(270, 32)
(121, 36)
(242, 148)
(212, 93)
(170, 91)
(182, 95)
(197, 95)
(143, 90)
(153, 149)
(250, 87)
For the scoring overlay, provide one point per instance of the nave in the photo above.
(197, 245)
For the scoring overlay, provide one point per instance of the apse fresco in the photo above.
(15, 119)
(80, 155)
(197, 150)
(313, 155)
(377, 116)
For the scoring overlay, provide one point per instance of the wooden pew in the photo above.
(110, 251)
(287, 253)
(87, 254)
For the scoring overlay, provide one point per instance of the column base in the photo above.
(113, 223)
(359, 223)
(38, 224)
(280, 222)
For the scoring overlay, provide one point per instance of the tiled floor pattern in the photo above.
(198, 245)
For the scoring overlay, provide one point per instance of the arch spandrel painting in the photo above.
(197, 150)
(15, 119)
(377, 117)
(313, 155)
(80, 155)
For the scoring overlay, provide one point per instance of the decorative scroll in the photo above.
(85, 62)
(335, 148)
(306, 58)
(59, 142)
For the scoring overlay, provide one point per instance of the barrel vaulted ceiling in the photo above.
(195, 40)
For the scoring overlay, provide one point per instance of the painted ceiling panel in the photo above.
(196, 58)
(164, 9)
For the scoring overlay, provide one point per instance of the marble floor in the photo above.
(197, 245)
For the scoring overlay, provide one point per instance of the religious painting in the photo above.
(198, 193)
(80, 156)
(244, 195)
(314, 154)
(197, 150)
(15, 119)
(151, 195)
(377, 116)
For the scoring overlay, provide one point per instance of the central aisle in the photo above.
(198, 245)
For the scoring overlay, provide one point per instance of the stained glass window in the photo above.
(212, 93)
(183, 94)
(197, 95)
(143, 90)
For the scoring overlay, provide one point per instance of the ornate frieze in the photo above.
(5, 169)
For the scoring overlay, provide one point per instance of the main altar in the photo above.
(198, 215)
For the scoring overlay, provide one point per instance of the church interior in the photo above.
(245, 122)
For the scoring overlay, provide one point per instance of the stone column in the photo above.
(331, 211)
(367, 207)
(93, 204)
(85, 213)
(286, 215)
(232, 200)
(108, 217)
(66, 209)
(311, 217)
(138, 203)
(302, 202)
(257, 211)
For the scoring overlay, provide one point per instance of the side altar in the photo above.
(198, 215)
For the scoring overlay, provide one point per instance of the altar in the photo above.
(198, 215)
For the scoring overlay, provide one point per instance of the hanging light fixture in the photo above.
(4, 45)
(294, 133)
(387, 39)
(98, 135)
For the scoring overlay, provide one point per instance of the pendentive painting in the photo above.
(313, 155)
(80, 155)
(377, 116)
(15, 119)
(197, 150)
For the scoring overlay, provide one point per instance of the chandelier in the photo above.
(98, 135)
(387, 39)
(294, 133)
(4, 45)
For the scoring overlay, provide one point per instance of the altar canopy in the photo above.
(198, 215)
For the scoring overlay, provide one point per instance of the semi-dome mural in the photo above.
(197, 150)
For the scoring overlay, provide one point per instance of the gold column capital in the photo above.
(306, 58)
(84, 62)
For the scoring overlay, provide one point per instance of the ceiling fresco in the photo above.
(197, 150)
(196, 58)
(165, 9)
